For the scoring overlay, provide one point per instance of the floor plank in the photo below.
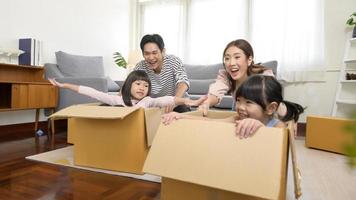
(24, 179)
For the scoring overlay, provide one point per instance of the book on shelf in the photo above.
(32, 49)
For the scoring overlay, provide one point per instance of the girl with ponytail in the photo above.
(257, 101)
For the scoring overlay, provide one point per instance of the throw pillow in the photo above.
(80, 66)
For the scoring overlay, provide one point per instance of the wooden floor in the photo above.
(24, 179)
(325, 176)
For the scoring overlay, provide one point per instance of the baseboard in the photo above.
(26, 130)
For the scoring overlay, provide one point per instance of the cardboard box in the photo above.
(327, 133)
(205, 160)
(113, 138)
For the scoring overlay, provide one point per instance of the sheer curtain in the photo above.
(289, 31)
(164, 17)
(212, 24)
(195, 30)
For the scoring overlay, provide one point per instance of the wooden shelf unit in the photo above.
(24, 87)
(345, 98)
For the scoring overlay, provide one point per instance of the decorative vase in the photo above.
(354, 32)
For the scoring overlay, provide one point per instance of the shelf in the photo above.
(348, 81)
(345, 93)
(350, 69)
(343, 101)
(353, 40)
(350, 60)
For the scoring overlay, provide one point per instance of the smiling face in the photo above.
(236, 63)
(153, 56)
(139, 89)
(250, 109)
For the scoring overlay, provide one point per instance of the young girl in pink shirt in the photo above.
(135, 91)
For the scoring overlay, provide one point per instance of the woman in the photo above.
(239, 65)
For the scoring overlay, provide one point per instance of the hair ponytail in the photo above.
(293, 111)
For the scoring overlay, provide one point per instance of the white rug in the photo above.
(64, 157)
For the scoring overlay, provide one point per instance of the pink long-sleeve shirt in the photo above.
(147, 102)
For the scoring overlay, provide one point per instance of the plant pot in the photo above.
(354, 32)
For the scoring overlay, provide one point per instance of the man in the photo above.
(166, 72)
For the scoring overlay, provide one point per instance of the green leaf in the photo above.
(350, 151)
(119, 60)
(350, 147)
(351, 21)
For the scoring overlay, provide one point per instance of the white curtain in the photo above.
(212, 24)
(289, 31)
(165, 18)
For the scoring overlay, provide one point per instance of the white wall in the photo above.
(83, 27)
(319, 97)
(94, 27)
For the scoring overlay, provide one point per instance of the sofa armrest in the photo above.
(52, 71)
(68, 97)
(112, 85)
(225, 103)
(120, 83)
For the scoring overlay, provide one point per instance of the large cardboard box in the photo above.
(113, 138)
(205, 160)
(327, 133)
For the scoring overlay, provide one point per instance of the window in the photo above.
(289, 31)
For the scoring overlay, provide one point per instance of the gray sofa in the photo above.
(79, 70)
(201, 76)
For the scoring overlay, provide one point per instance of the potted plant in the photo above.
(120, 60)
(352, 23)
(350, 148)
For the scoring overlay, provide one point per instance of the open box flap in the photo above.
(208, 153)
(213, 114)
(152, 121)
(95, 112)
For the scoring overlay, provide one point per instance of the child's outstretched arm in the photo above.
(169, 101)
(168, 118)
(73, 87)
(188, 101)
(91, 92)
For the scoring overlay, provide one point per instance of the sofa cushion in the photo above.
(80, 66)
(199, 86)
(203, 71)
